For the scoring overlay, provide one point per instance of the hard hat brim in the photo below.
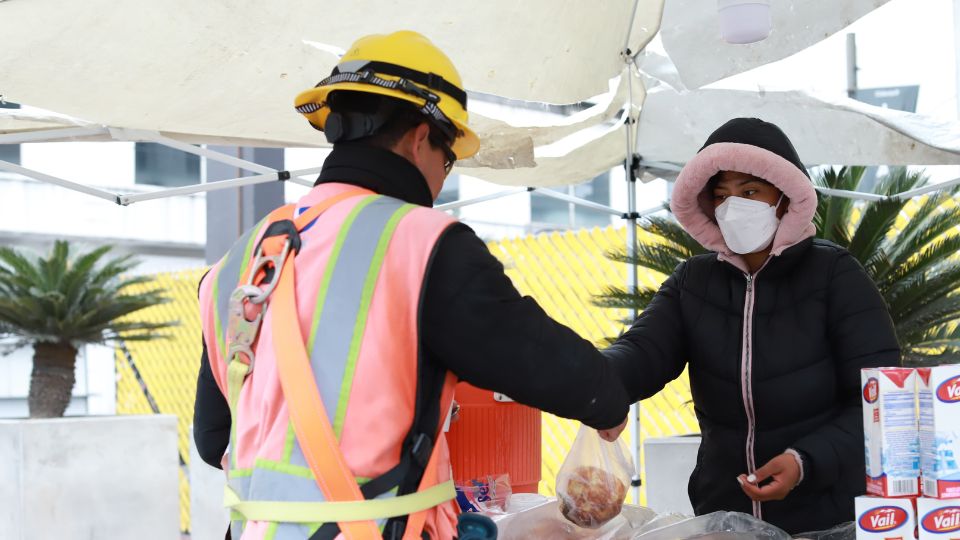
(464, 146)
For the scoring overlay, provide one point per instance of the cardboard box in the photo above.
(881, 518)
(938, 519)
(890, 428)
(939, 396)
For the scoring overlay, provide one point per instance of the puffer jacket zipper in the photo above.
(746, 381)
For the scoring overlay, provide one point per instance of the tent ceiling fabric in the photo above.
(232, 69)
(691, 35)
(673, 126)
(227, 72)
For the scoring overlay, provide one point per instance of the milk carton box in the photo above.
(939, 395)
(885, 519)
(891, 439)
(938, 519)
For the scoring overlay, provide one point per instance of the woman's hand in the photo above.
(784, 473)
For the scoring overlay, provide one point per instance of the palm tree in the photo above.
(908, 247)
(59, 303)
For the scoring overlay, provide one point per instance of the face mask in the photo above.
(747, 226)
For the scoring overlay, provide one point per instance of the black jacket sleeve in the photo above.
(211, 416)
(651, 353)
(861, 335)
(475, 324)
(479, 327)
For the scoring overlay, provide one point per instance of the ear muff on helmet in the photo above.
(344, 126)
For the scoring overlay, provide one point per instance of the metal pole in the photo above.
(851, 65)
(480, 199)
(577, 201)
(29, 173)
(856, 195)
(632, 280)
(956, 46)
(925, 189)
(51, 134)
(213, 155)
(212, 186)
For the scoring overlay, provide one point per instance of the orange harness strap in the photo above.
(309, 417)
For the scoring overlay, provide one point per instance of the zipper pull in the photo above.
(749, 283)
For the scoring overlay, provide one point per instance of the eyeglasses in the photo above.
(449, 156)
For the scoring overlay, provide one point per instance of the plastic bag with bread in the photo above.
(593, 480)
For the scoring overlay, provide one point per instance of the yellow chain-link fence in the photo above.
(562, 271)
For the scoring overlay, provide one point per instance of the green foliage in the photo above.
(62, 299)
(915, 266)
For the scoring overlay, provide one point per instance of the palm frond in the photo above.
(83, 299)
(833, 214)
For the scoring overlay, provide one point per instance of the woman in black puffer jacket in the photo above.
(775, 326)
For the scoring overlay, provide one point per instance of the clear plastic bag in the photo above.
(845, 531)
(716, 526)
(593, 480)
(545, 521)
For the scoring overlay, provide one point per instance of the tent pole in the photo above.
(210, 154)
(483, 198)
(925, 189)
(630, 164)
(30, 173)
(576, 201)
(279, 176)
(48, 134)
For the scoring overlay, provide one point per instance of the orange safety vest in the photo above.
(311, 323)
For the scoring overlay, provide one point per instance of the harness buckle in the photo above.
(271, 265)
(241, 331)
(421, 450)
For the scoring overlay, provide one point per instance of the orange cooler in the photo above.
(494, 437)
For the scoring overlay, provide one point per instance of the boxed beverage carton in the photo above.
(938, 519)
(939, 395)
(881, 518)
(890, 428)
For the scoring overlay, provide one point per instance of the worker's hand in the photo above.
(784, 473)
(611, 434)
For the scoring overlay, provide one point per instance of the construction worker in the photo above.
(332, 388)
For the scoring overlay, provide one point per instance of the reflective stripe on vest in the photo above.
(286, 490)
(234, 264)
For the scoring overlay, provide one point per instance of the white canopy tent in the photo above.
(226, 73)
(182, 73)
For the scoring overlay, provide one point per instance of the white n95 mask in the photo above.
(747, 226)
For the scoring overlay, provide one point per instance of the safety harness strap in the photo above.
(354, 511)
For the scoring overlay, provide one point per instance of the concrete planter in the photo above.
(208, 518)
(92, 477)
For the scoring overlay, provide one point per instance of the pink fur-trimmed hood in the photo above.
(694, 208)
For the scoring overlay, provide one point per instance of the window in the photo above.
(10, 152)
(450, 192)
(163, 166)
(546, 212)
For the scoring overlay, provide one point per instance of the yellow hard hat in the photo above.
(403, 65)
